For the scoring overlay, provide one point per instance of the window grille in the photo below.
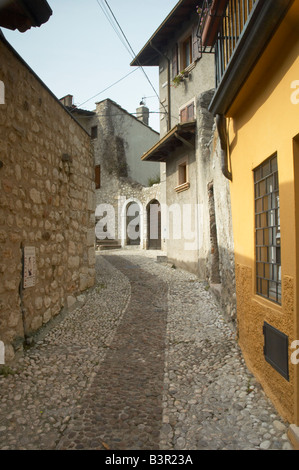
(267, 231)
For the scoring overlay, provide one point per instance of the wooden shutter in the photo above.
(175, 61)
(195, 44)
(98, 176)
(187, 113)
(190, 112)
(184, 115)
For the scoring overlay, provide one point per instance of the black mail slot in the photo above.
(276, 349)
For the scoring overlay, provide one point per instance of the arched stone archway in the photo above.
(153, 210)
(132, 223)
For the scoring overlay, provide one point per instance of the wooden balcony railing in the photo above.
(220, 26)
(237, 16)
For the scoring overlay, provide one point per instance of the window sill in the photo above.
(267, 303)
(182, 187)
(184, 74)
(190, 67)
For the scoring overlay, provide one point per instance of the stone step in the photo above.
(109, 247)
(108, 244)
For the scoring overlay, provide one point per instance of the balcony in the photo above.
(220, 27)
(242, 34)
(237, 17)
(211, 15)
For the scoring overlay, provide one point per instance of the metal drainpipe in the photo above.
(23, 312)
(221, 127)
(168, 86)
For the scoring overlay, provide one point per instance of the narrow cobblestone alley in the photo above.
(144, 361)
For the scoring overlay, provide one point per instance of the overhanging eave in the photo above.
(180, 135)
(24, 14)
(182, 11)
(265, 20)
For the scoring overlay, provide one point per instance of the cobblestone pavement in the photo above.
(144, 361)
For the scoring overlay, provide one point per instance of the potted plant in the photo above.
(180, 78)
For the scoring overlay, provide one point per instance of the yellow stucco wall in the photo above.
(263, 120)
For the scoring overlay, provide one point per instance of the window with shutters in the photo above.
(187, 112)
(98, 176)
(175, 63)
(182, 175)
(185, 52)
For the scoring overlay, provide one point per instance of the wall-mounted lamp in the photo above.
(66, 158)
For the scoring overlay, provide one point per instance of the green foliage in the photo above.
(6, 371)
(154, 180)
(179, 78)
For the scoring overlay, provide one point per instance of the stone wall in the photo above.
(217, 253)
(252, 313)
(46, 204)
(121, 140)
(212, 256)
(142, 196)
(226, 289)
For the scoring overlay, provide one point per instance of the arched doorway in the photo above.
(133, 224)
(154, 225)
(131, 221)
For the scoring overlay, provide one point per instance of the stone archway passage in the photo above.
(133, 228)
(154, 225)
(122, 409)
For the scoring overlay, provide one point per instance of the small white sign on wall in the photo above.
(2, 353)
(29, 267)
(2, 92)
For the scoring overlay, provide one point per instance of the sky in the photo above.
(78, 52)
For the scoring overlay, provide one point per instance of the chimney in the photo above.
(67, 101)
(142, 113)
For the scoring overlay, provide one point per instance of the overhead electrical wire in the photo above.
(110, 20)
(132, 53)
(127, 43)
(129, 50)
(110, 86)
(118, 114)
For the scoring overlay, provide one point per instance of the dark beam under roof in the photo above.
(180, 13)
(181, 134)
(23, 14)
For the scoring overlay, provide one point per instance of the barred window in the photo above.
(97, 172)
(267, 230)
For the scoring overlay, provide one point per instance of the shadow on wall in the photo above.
(280, 312)
(252, 313)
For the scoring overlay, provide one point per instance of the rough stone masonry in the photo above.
(46, 204)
